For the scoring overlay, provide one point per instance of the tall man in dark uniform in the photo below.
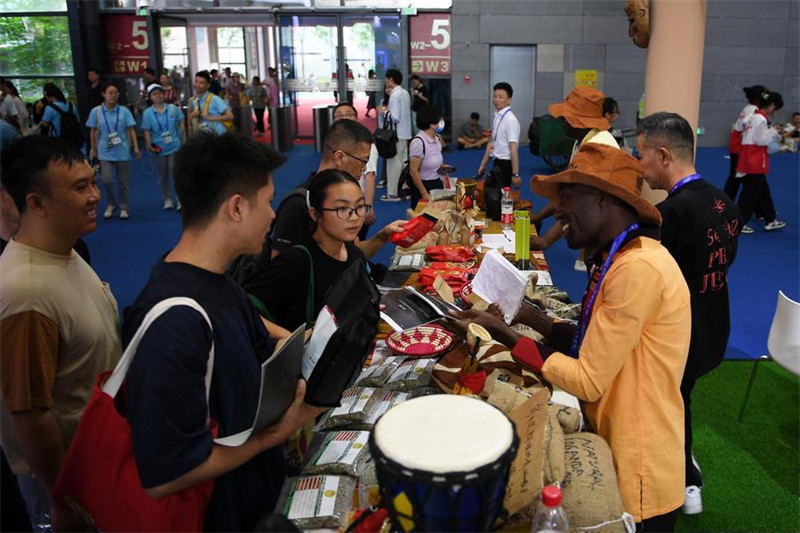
(700, 229)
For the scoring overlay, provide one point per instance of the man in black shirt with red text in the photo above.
(700, 229)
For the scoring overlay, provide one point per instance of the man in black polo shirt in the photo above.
(700, 229)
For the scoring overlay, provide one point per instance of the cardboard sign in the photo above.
(525, 479)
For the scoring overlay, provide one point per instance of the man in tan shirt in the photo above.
(58, 321)
(625, 359)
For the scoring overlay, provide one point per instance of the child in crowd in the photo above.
(162, 125)
(753, 164)
(112, 137)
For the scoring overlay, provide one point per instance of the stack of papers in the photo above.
(499, 282)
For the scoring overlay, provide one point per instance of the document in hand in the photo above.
(407, 308)
(499, 282)
(279, 375)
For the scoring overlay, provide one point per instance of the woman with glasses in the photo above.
(291, 290)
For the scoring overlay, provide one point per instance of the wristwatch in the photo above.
(515, 175)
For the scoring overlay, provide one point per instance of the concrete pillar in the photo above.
(674, 63)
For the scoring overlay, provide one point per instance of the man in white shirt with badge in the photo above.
(504, 146)
(400, 113)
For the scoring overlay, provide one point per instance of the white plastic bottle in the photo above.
(551, 517)
(507, 209)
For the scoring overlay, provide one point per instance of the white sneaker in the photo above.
(775, 224)
(178, 206)
(390, 198)
(109, 211)
(580, 266)
(123, 214)
(747, 230)
(694, 501)
(168, 203)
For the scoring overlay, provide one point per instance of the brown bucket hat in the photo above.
(605, 168)
(582, 108)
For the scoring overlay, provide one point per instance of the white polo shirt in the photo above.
(505, 130)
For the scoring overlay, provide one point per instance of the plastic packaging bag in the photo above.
(313, 502)
(337, 452)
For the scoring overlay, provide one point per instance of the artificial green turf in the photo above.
(751, 470)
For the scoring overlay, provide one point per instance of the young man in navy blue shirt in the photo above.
(225, 187)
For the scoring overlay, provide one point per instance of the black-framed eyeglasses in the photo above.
(345, 212)
(362, 161)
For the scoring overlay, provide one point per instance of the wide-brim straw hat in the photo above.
(607, 169)
(582, 108)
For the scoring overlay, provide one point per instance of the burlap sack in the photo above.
(568, 417)
(554, 466)
(591, 494)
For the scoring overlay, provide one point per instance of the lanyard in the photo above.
(577, 340)
(497, 129)
(688, 179)
(162, 129)
(116, 124)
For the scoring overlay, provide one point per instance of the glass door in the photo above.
(175, 59)
(309, 66)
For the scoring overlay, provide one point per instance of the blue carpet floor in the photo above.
(123, 251)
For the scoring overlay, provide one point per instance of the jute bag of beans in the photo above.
(554, 466)
(568, 417)
(591, 494)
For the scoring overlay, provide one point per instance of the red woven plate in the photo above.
(422, 341)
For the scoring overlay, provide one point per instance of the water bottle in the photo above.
(550, 517)
(507, 209)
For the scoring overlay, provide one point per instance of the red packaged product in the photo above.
(456, 277)
(414, 230)
(449, 252)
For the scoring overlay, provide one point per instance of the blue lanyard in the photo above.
(162, 129)
(116, 124)
(688, 179)
(580, 333)
(497, 129)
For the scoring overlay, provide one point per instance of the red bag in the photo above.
(99, 479)
(449, 252)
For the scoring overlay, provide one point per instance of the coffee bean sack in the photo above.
(568, 417)
(591, 493)
(554, 467)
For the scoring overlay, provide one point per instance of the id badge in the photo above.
(114, 139)
(166, 138)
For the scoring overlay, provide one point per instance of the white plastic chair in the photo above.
(783, 343)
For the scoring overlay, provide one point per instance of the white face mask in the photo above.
(439, 127)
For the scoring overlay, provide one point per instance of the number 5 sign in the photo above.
(430, 44)
(127, 46)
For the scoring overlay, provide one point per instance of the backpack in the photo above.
(229, 125)
(245, 266)
(405, 183)
(71, 129)
(533, 136)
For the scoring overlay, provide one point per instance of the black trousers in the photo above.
(662, 522)
(732, 184)
(429, 186)
(693, 475)
(756, 197)
(259, 111)
(505, 166)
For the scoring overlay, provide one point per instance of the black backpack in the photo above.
(71, 129)
(533, 136)
(405, 183)
(245, 266)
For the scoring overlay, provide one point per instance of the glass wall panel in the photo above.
(35, 46)
(30, 89)
(25, 6)
(230, 47)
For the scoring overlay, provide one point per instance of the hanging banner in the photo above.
(127, 46)
(429, 49)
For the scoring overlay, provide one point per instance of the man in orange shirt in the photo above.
(625, 359)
